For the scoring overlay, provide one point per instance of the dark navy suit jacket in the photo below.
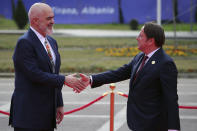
(153, 101)
(37, 91)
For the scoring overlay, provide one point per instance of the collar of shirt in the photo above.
(152, 53)
(40, 37)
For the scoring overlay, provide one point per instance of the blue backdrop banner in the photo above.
(184, 10)
(145, 10)
(74, 11)
(85, 11)
(6, 9)
(107, 11)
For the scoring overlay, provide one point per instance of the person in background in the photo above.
(37, 103)
(152, 101)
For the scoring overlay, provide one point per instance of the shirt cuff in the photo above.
(91, 80)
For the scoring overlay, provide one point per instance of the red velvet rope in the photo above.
(69, 112)
(181, 107)
(5, 113)
(122, 94)
(84, 106)
(188, 107)
(99, 98)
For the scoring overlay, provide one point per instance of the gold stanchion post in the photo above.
(112, 86)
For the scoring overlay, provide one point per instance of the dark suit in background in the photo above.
(37, 91)
(153, 101)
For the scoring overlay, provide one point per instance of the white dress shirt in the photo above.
(42, 40)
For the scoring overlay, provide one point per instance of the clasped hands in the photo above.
(77, 81)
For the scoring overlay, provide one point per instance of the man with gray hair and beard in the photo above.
(37, 103)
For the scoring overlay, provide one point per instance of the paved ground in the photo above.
(96, 117)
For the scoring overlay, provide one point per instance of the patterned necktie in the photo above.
(141, 66)
(50, 55)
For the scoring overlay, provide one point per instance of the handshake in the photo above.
(77, 81)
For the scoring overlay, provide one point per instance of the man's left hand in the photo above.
(60, 115)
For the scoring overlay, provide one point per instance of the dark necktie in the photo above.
(50, 55)
(141, 66)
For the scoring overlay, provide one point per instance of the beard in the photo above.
(49, 31)
(46, 30)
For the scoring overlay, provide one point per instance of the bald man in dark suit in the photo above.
(37, 103)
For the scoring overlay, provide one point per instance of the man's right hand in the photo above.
(78, 84)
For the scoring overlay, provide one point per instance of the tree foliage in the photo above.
(134, 24)
(19, 14)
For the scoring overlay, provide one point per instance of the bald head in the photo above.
(41, 18)
(37, 10)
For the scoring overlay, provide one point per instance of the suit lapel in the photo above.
(40, 47)
(152, 62)
(136, 66)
